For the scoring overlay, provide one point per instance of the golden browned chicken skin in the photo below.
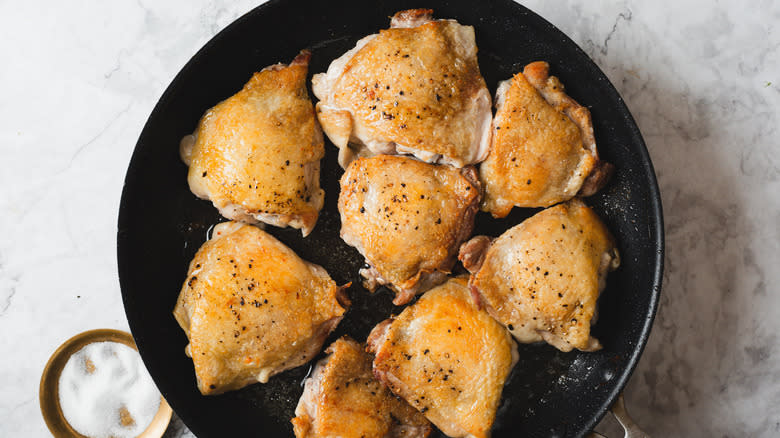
(343, 399)
(543, 150)
(447, 358)
(412, 89)
(542, 277)
(256, 155)
(408, 219)
(252, 308)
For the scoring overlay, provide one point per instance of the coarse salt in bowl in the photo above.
(105, 391)
(95, 384)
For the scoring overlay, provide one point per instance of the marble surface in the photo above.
(702, 79)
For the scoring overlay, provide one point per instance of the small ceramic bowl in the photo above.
(48, 394)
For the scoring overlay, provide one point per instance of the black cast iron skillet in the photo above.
(161, 224)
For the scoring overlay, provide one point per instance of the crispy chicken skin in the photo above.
(543, 151)
(256, 155)
(542, 277)
(408, 219)
(413, 89)
(252, 308)
(343, 399)
(447, 358)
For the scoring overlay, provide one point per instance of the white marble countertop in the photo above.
(702, 79)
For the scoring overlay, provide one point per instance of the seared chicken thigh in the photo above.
(343, 399)
(256, 155)
(542, 277)
(412, 89)
(543, 151)
(447, 358)
(252, 308)
(408, 219)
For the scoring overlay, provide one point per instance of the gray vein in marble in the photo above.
(118, 66)
(97, 136)
(8, 284)
(24, 403)
(622, 16)
(9, 295)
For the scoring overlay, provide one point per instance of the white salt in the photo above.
(105, 391)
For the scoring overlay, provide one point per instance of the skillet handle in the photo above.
(620, 413)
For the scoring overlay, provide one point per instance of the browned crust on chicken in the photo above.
(251, 308)
(414, 88)
(256, 155)
(447, 358)
(343, 399)
(408, 219)
(551, 88)
(542, 278)
(543, 148)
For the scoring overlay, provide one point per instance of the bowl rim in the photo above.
(48, 390)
